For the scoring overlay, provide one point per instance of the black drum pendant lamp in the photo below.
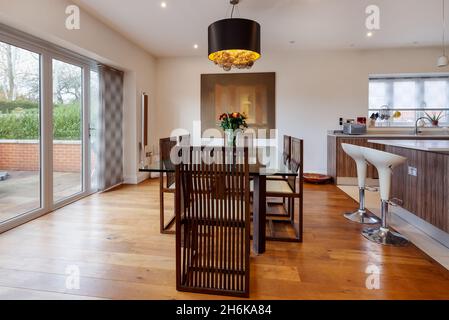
(234, 42)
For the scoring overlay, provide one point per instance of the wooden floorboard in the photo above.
(113, 238)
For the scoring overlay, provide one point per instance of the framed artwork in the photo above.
(250, 93)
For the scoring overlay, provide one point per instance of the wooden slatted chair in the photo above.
(286, 155)
(287, 152)
(288, 188)
(184, 140)
(213, 223)
(167, 182)
(247, 139)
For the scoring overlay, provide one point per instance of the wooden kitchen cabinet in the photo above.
(425, 194)
(339, 164)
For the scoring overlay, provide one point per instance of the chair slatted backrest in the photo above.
(247, 139)
(296, 160)
(287, 149)
(213, 221)
(165, 147)
(184, 140)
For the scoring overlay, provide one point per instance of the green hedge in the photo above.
(25, 125)
(10, 106)
(67, 122)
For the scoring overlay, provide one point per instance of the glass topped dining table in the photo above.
(259, 175)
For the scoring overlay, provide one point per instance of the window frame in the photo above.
(47, 52)
(419, 79)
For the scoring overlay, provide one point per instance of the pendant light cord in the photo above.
(444, 28)
(234, 4)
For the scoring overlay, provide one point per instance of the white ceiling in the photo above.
(312, 24)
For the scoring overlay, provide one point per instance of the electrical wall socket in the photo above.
(412, 171)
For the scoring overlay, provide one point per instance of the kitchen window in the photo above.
(398, 101)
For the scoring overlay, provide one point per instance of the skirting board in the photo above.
(348, 181)
(140, 177)
(432, 231)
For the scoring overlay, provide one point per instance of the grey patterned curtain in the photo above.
(111, 128)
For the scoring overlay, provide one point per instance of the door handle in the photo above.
(91, 130)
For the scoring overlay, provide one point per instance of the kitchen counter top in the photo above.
(395, 134)
(422, 145)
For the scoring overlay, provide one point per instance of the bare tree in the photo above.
(20, 77)
(8, 59)
(66, 83)
(19, 73)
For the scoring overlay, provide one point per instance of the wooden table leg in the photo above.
(259, 213)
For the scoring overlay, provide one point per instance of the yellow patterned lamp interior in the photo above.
(241, 59)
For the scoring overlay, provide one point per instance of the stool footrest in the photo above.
(395, 202)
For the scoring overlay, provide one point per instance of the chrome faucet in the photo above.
(416, 124)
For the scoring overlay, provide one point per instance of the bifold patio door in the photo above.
(47, 159)
(67, 130)
(20, 137)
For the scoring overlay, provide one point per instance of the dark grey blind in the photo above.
(111, 128)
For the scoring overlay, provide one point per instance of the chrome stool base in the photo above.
(385, 237)
(360, 216)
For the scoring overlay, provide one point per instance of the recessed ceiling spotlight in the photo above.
(195, 46)
(292, 42)
(369, 34)
(164, 4)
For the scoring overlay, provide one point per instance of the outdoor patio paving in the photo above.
(19, 193)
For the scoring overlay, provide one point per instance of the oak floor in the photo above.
(114, 241)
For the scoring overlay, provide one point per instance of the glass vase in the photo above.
(229, 138)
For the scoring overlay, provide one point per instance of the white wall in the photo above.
(46, 19)
(313, 90)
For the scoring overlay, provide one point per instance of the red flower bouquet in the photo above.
(233, 121)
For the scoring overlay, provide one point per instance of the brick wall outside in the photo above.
(24, 156)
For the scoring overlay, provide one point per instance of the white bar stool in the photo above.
(384, 163)
(360, 215)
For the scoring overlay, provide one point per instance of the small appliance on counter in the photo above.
(354, 128)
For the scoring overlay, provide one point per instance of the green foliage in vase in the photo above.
(434, 117)
(233, 121)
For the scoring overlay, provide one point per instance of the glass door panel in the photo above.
(67, 130)
(93, 129)
(20, 179)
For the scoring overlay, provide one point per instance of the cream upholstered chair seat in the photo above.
(275, 186)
